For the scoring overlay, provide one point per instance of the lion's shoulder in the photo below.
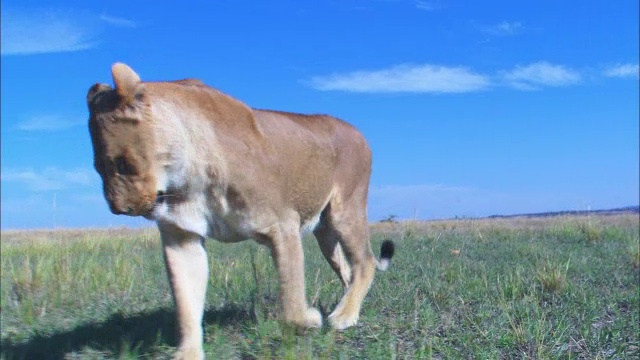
(319, 122)
(196, 91)
(190, 82)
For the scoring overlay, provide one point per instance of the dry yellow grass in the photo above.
(63, 236)
(393, 230)
(400, 229)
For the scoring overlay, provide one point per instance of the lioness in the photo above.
(202, 164)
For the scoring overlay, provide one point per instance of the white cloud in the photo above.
(50, 178)
(428, 5)
(49, 123)
(118, 21)
(29, 32)
(429, 78)
(24, 204)
(542, 73)
(38, 32)
(623, 71)
(405, 78)
(504, 28)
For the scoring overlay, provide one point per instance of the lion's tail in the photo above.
(386, 253)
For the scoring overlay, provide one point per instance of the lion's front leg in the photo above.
(188, 272)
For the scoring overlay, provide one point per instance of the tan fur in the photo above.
(202, 164)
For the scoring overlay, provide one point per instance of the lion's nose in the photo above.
(121, 210)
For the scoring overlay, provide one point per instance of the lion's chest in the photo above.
(201, 215)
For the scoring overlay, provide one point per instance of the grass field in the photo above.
(563, 287)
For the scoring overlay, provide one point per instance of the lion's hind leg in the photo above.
(346, 223)
(329, 240)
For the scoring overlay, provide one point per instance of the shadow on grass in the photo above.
(142, 332)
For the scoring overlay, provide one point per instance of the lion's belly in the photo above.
(310, 216)
(232, 220)
(220, 230)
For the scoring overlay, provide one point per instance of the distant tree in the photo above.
(390, 219)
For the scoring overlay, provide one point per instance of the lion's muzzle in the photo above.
(143, 207)
(120, 211)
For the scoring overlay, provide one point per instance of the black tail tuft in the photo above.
(386, 253)
(387, 249)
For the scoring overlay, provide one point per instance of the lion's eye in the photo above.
(123, 167)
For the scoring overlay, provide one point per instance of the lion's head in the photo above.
(123, 142)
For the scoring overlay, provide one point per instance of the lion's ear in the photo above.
(95, 90)
(128, 83)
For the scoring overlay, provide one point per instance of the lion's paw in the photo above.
(191, 353)
(313, 318)
(341, 321)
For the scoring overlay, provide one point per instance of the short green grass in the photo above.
(486, 289)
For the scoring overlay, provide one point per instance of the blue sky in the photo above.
(470, 108)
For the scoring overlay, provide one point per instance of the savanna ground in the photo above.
(564, 287)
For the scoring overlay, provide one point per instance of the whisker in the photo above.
(168, 196)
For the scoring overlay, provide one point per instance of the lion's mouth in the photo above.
(148, 210)
(148, 213)
(170, 197)
(161, 198)
(164, 201)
